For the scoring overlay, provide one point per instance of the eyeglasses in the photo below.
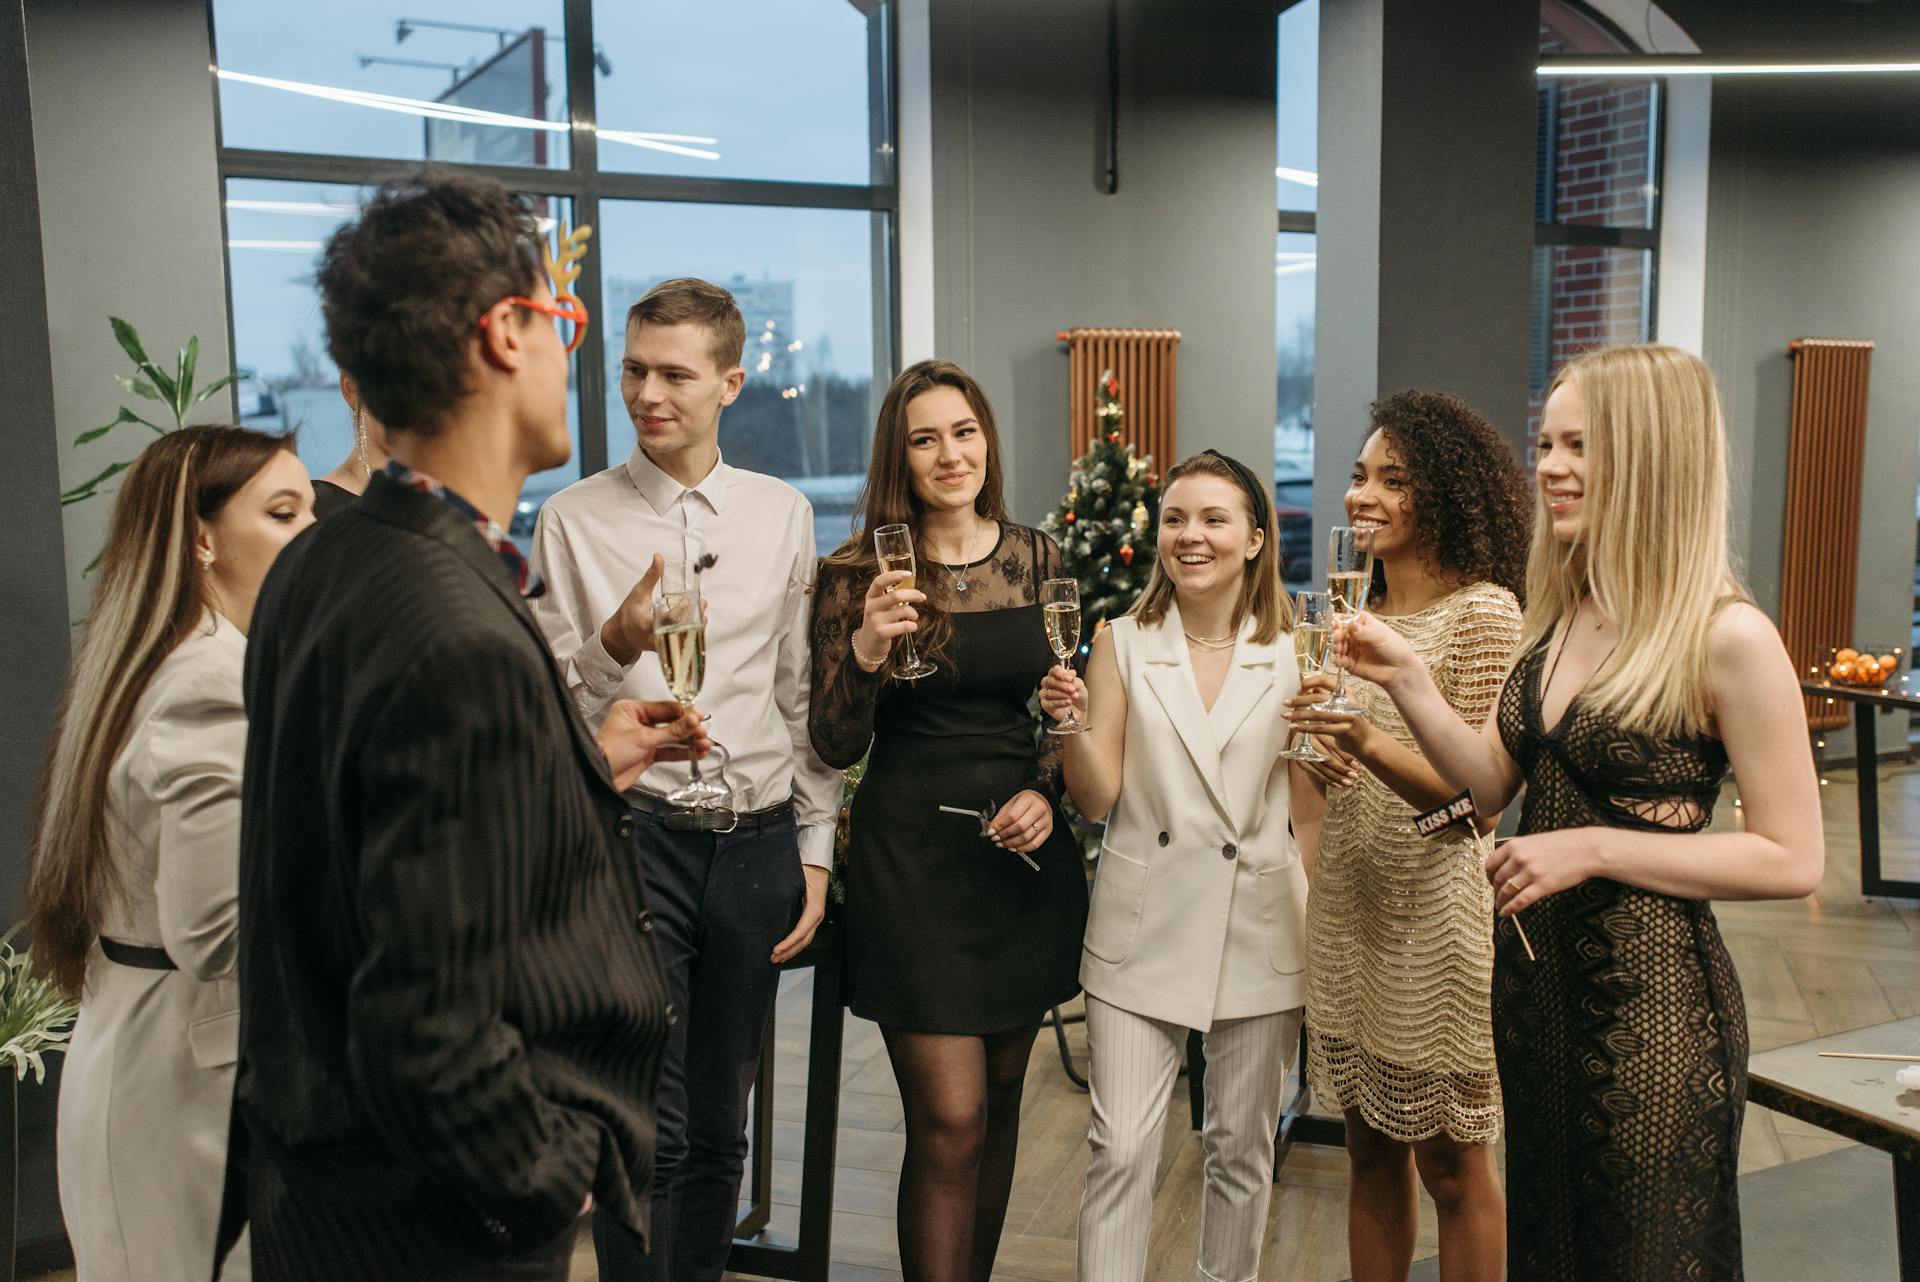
(564, 314)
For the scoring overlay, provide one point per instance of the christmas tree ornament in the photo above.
(1126, 554)
(1140, 518)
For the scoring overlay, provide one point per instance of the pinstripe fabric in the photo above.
(1134, 1061)
(451, 1017)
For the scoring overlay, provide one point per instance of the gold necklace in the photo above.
(1212, 643)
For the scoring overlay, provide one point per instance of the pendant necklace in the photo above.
(959, 582)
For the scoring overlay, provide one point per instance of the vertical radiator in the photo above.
(1826, 459)
(1143, 361)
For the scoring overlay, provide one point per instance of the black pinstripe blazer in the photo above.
(452, 1018)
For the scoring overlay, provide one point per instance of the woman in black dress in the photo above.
(1644, 674)
(340, 487)
(958, 940)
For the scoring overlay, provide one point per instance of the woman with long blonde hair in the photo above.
(132, 879)
(1645, 672)
(1198, 917)
(960, 933)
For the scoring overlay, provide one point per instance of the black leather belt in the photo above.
(139, 956)
(719, 819)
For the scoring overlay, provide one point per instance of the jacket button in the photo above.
(499, 1231)
(1229, 850)
(624, 828)
(645, 922)
(673, 1014)
(1163, 838)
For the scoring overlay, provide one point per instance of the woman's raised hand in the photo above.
(1372, 651)
(886, 614)
(1060, 690)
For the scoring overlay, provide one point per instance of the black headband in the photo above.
(1256, 492)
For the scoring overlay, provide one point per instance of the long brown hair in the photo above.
(150, 597)
(1261, 594)
(887, 497)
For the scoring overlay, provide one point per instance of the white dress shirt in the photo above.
(594, 541)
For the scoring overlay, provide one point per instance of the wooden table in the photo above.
(806, 1259)
(1859, 1099)
(1866, 703)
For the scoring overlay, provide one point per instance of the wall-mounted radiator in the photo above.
(1144, 362)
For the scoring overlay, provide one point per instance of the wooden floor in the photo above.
(1811, 967)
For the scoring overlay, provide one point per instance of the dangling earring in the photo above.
(206, 562)
(360, 441)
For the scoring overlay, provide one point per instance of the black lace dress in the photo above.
(1623, 1048)
(946, 932)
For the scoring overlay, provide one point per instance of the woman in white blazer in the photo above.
(1198, 915)
(133, 880)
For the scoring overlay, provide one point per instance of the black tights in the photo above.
(962, 1101)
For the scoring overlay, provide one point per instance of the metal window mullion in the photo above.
(583, 155)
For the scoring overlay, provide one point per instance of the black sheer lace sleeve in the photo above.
(1046, 778)
(840, 712)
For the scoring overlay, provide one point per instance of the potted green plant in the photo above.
(35, 1021)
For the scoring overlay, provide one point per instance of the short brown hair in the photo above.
(403, 288)
(688, 300)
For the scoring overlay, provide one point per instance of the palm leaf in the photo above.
(85, 489)
(213, 387)
(137, 387)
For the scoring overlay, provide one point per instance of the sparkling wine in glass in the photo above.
(1312, 651)
(1349, 578)
(680, 639)
(893, 544)
(1060, 608)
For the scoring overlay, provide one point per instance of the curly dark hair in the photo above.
(403, 287)
(1471, 509)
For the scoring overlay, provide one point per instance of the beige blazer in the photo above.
(1199, 905)
(148, 1081)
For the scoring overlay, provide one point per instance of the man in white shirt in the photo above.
(729, 904)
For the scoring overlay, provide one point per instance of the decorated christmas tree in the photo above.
(1105, 528)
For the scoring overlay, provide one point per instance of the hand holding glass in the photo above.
(893, 544)
(1060, 608)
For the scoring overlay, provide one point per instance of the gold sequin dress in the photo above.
(1400, 927)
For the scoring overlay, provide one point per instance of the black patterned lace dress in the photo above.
(946, 932)
(1623, 1048)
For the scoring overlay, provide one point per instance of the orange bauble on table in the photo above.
(1852, 667)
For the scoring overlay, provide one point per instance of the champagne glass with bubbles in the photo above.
(893, 544)
(1060, 608)
(1312, 651)
(1349, 579)
(680, 638)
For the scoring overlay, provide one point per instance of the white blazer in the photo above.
(1199, 906)
(147, 1086)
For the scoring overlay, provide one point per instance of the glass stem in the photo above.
(693, 763)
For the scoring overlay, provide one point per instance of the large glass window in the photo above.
(478, 81)
(1295, 278)
(781, 108)
(804, 282)
(737, 89)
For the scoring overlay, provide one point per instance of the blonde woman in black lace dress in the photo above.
(957, 940)
(1645, 673)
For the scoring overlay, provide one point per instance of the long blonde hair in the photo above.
(1262, 595)
(151, 596)
(1654, 556)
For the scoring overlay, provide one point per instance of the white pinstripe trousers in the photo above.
(1134, 1061)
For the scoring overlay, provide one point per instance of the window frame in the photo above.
(583, 182)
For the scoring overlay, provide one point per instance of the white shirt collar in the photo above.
(661, 490)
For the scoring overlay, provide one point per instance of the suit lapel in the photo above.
(438, 520)
(1255, 673)
(1170, 677)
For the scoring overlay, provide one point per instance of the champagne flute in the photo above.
(1312, 651)
(893, 544)
(1349, 579)
(680, 638)
(1060, 608)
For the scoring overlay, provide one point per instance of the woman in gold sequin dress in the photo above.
(1399, 927)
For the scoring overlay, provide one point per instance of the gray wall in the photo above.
(1426, 216)
(130, 217)
(1025, 246)
(1813, 206)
